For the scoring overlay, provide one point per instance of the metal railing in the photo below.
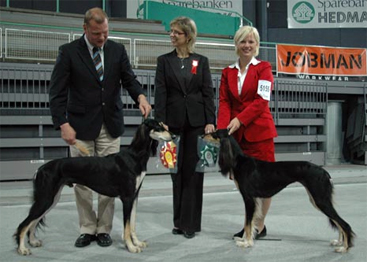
(121, 40)
(1, 43)
(25, 88)
(301, 98)
(35, 45)
(41, 46)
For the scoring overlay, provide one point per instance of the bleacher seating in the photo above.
(27, 138)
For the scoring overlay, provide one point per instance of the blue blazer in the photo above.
(78, 97)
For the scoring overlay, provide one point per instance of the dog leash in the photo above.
(269, 239)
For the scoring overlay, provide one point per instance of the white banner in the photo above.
(327, 14)
(226, 7)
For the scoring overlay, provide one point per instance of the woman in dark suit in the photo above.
(184, 104)
(244, 97)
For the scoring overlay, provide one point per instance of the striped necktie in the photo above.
(98, 63)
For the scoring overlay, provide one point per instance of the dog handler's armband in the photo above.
(264, 89)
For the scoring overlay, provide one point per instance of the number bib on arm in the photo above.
(264, 89)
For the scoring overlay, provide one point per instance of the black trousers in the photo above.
(187, 184)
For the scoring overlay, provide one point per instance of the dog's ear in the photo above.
(153, 124)
(220, 133)
(142, 131)
(153, 147)
(226, 159)
(148, 122)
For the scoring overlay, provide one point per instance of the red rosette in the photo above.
(168, 154)
(194, 66)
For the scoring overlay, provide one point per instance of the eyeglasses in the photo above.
(176, 33)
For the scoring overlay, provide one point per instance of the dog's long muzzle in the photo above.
(162, 135)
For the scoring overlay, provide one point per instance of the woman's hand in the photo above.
(209, 128)
(233, 126)
(164, 126)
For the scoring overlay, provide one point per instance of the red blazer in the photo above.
(249, 107)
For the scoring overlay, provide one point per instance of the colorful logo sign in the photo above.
(303, 12)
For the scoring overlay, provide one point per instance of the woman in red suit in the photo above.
(244, 105)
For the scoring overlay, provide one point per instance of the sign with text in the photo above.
(226, 7)
(321, 61)
(327, 14)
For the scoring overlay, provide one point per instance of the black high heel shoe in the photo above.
(258, 235)
(177, 231)
(239, 235)
(189, 234)
(261, 234)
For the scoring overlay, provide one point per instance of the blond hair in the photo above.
(242, 33)
(188, 26)
(96, 14)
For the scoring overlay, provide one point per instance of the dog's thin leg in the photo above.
(128, 242)
(142, 244)
(127, 209)
(134, 237)
(339, 241)
(322, 197)
(127, 237)
(251, 213)
(33, 241)
(343, 240)
(22, 249)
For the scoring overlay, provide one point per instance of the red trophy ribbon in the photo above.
(168, 154)
(194, 67)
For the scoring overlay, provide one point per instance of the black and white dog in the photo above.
(259, 179)
(116, 175)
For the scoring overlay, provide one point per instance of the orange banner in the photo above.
(315, 60)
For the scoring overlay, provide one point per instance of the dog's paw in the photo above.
(341, 250)
(138, 243)
(24, 251)
(336, 243)
(133, 249)
(35, 243)
(141, 244)
(244, 243)
(238, 239)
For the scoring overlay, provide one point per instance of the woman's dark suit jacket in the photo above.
(78, 97)
(174, 101)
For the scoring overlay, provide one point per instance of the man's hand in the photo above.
(68, 134)
(233, 126)
(144, 106)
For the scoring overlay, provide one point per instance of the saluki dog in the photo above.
(116, 175)
(257, 179)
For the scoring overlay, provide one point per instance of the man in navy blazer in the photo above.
(87, 108)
